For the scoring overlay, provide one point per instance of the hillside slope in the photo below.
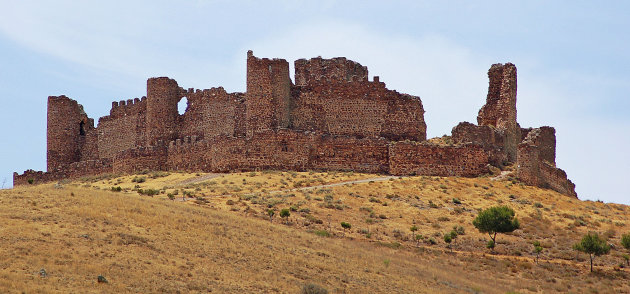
(215, 235)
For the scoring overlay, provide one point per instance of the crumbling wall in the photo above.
(212, 112)
(319, 70)
(67, 126)
(536, 162)
(466, 132)
(545, 138)
(71, 171)
(491, 138)
(413, 158)
(557, 180)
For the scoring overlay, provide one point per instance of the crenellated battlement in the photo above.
(128, 107)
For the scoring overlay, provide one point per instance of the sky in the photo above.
(573, 63)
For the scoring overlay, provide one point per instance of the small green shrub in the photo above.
(137, 179)
(322, 233)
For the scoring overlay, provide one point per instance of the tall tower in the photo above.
(268, 97)
(65, 132)
(162, 97)
(500, 108)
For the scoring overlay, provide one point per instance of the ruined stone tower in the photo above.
(67, 128)
(500, 108)
(163, 94)
(268, 97)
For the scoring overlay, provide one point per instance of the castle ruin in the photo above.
(331, 117)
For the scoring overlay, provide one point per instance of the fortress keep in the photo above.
(331, 118)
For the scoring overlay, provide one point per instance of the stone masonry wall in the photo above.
(70, 171)
(212, 112)
(407, 158)
(141, 159)
(123, 128)
(318, 70)
(366, 155)
(491, 138)
(545, 138)
(360, 109)
(536, 162)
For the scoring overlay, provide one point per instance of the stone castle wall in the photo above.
(332, 118)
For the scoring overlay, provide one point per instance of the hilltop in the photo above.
(198, 232)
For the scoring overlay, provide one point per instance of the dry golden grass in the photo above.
(220, 239)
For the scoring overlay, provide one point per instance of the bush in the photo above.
(313, 289)
(148, 192)
(116, 189)
(30, 181)
(139, 179)
(459, 230)
(457, 201)
(625, 241)
(322, 233)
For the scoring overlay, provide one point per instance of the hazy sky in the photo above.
(573, 60)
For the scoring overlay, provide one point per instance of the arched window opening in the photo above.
(82, 128)
(182, 106)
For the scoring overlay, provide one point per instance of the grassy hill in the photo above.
(177, 232)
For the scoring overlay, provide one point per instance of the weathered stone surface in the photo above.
(536, 162)
(333, 118)
(500, 108)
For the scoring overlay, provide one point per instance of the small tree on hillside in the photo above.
(413, 230)
(418, 239)
(448, 240)
(593, 245)
(285, 213)
(271, 213)
(537, 249)
(497, 219)
(625, 242)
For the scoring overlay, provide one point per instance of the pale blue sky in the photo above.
(573, 60)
